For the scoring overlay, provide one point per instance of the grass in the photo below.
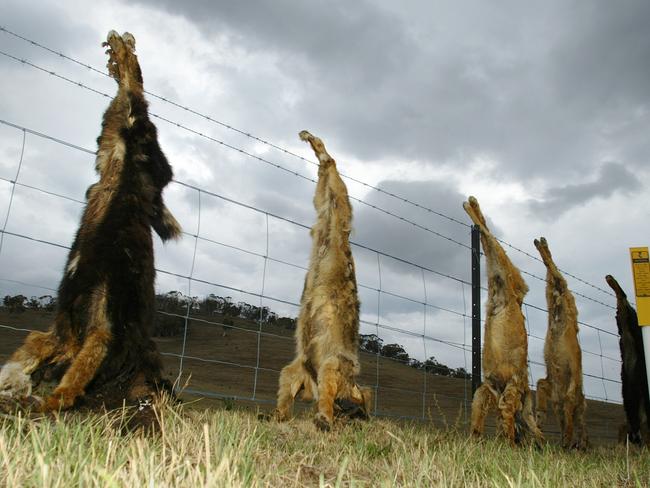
(217, 447)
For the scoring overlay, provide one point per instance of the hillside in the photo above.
(220, 362)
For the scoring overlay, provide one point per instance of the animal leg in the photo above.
(90, 356)
(15, 374)
(582, 441)
(163, 222)
(547, 258)
(473, 209)
(329, 378)
(632, 405)
(543, 394)
(568, 409)
(317, 145)
(509, 405)
(122, 61)
(529, 418)
(292, 381)
(330, 190)
(484, 398)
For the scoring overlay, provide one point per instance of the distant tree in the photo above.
(432, 365)
(231, 309)
(52, 304)
(395, 351)
(414, 363)
(15, 303)
(33, 303)
(165, 325)
(461, 373)
(286, 323)
(171, 302)
(48, 302)
(370, 343)
(271, 317)
(212, 304)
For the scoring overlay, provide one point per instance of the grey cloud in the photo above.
(531, 90)
(42, 21)
(542, 92)
(612, 178)
(381, 231)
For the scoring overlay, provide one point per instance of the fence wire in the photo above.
(184, 355)
(430, 394)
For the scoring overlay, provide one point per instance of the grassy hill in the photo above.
(220, 364)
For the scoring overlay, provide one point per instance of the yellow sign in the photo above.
(641, 272)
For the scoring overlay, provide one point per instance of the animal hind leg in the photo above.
(509, 404)
(568, 410)
(529, 418)
(542, 397)
(329, 379)
(90, 356)
(484, 398)
(292, 380)
(317, 145)
(122, 61)
(473, 209)
(15, 377)
(582, 440)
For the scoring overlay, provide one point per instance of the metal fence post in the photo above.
(476, 308)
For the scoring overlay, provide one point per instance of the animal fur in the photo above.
(327, 335)
(99, 344)
(505, 347)
(563, 357)
(633, 368)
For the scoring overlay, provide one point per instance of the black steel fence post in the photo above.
(476, 308)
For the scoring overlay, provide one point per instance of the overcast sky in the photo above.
(542, 111)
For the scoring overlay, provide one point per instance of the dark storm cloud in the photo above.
(380, 231)
(543, 94)
(541, 89)
(612, 178)
(44, 21)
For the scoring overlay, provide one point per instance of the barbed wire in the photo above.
(239, 131)
(563, 271)
(263, 296)
(239, 150)
(572, 291)
(196, 236)
(377, 324)
(276, 216)
(288, 152)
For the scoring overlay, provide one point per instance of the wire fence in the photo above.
(231, 331)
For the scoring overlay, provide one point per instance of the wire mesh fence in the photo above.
(227, 294)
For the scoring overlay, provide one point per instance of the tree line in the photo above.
(172, 308)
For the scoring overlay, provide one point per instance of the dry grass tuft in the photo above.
(232, 448)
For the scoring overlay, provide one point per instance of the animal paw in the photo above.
(129, 40)
(322, 422)
(61, 399)
(119, 50)
(580, 445)
(115, 53)
(276, 415)
(166, 226)
(344, 407)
